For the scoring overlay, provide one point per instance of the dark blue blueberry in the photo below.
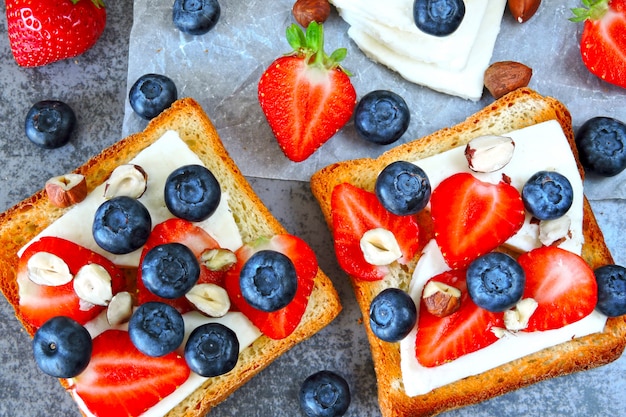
(196, 17)
(49, 124)
(324, 394)
(170, 270)
(268, 280)
(156, 328)
(495, 281)
(392, 315)
(547, 195)
(381, 117)
(601, 143)
(611, 290)
(121, 225)
(403, 188)
(438, 17)
(192, 193)
(212, 349)
(62, 347)
(151, 94)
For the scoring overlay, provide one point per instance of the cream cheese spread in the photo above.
(454, 64)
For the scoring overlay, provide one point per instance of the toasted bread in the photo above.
(24, 221)
(516, 110)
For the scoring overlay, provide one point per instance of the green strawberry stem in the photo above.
(594, 10)
(310, 46)
(97, 3)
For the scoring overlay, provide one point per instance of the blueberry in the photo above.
(192, 193)
(601, 143)
(62, 347)
(611, 281)
(403, 188)
(381, 117)
(495, 281)
(438, 17)
(49, 123)
(268, 280)
(151, 94)
(195, 17)
(324, 394)
(156, 328)
(170, 270)
(392, 315)
(547, 195)
(212, 349)
(121, 225)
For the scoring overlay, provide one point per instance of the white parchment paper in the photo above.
(221, 70)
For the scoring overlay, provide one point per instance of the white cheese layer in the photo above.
(420, 380)
(158, 160)
(387, 47)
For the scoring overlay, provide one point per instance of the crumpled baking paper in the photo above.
(221, 70)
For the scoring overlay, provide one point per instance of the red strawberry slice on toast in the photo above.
(306, 96)
(190, 235)
(41, 32)
(563, 285)
(121, 381)
(39, 303)
(472, 217)
(441, 340)
(603, 41)
(355, 211)
(281, 323)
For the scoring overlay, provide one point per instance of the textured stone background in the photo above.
(94, 84)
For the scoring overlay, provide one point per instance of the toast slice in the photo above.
(25, 220)
(519, 109)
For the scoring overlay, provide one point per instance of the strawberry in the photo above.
(190, 235)
(306, 96)
(122, 381)
(603, 40)
(281, 323)
(563, 285)
(472, 217)
(41, 32)
(355, 211)
(38, 302)
(441, 340)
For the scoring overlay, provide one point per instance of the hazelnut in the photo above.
(516, 319)
(489, 153)
(219, 259)
(120, 308)
(380, 247)
(211, 299)
(92, 284)
(126, 180)
(45, 268)
(441, 299)
(506, 76)
(307, 11)
(66, 190)
(522, 10)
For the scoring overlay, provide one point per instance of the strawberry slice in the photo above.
(602, 43)
(472, 217)
(122, 381)
(39, 303)
(306, 96)
(563, 285)
(355, 211)
(190, 235)
(441, 340)
(281, 323)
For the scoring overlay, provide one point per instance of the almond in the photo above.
(506, 76)
(307, 11)
(522, 10)
(66, 190)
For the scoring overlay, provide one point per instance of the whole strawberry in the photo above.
(306, 96)
(603, 41)
(43, 31)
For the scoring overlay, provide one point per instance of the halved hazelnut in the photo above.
(211, 299)
(441, 299)
(120, 308)
(66, 190)
(516, 319)
(554, 232)
(92, 284)
(45, 268)
(380, 247)
(219, 259)
(127, 180)
(489, 153)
